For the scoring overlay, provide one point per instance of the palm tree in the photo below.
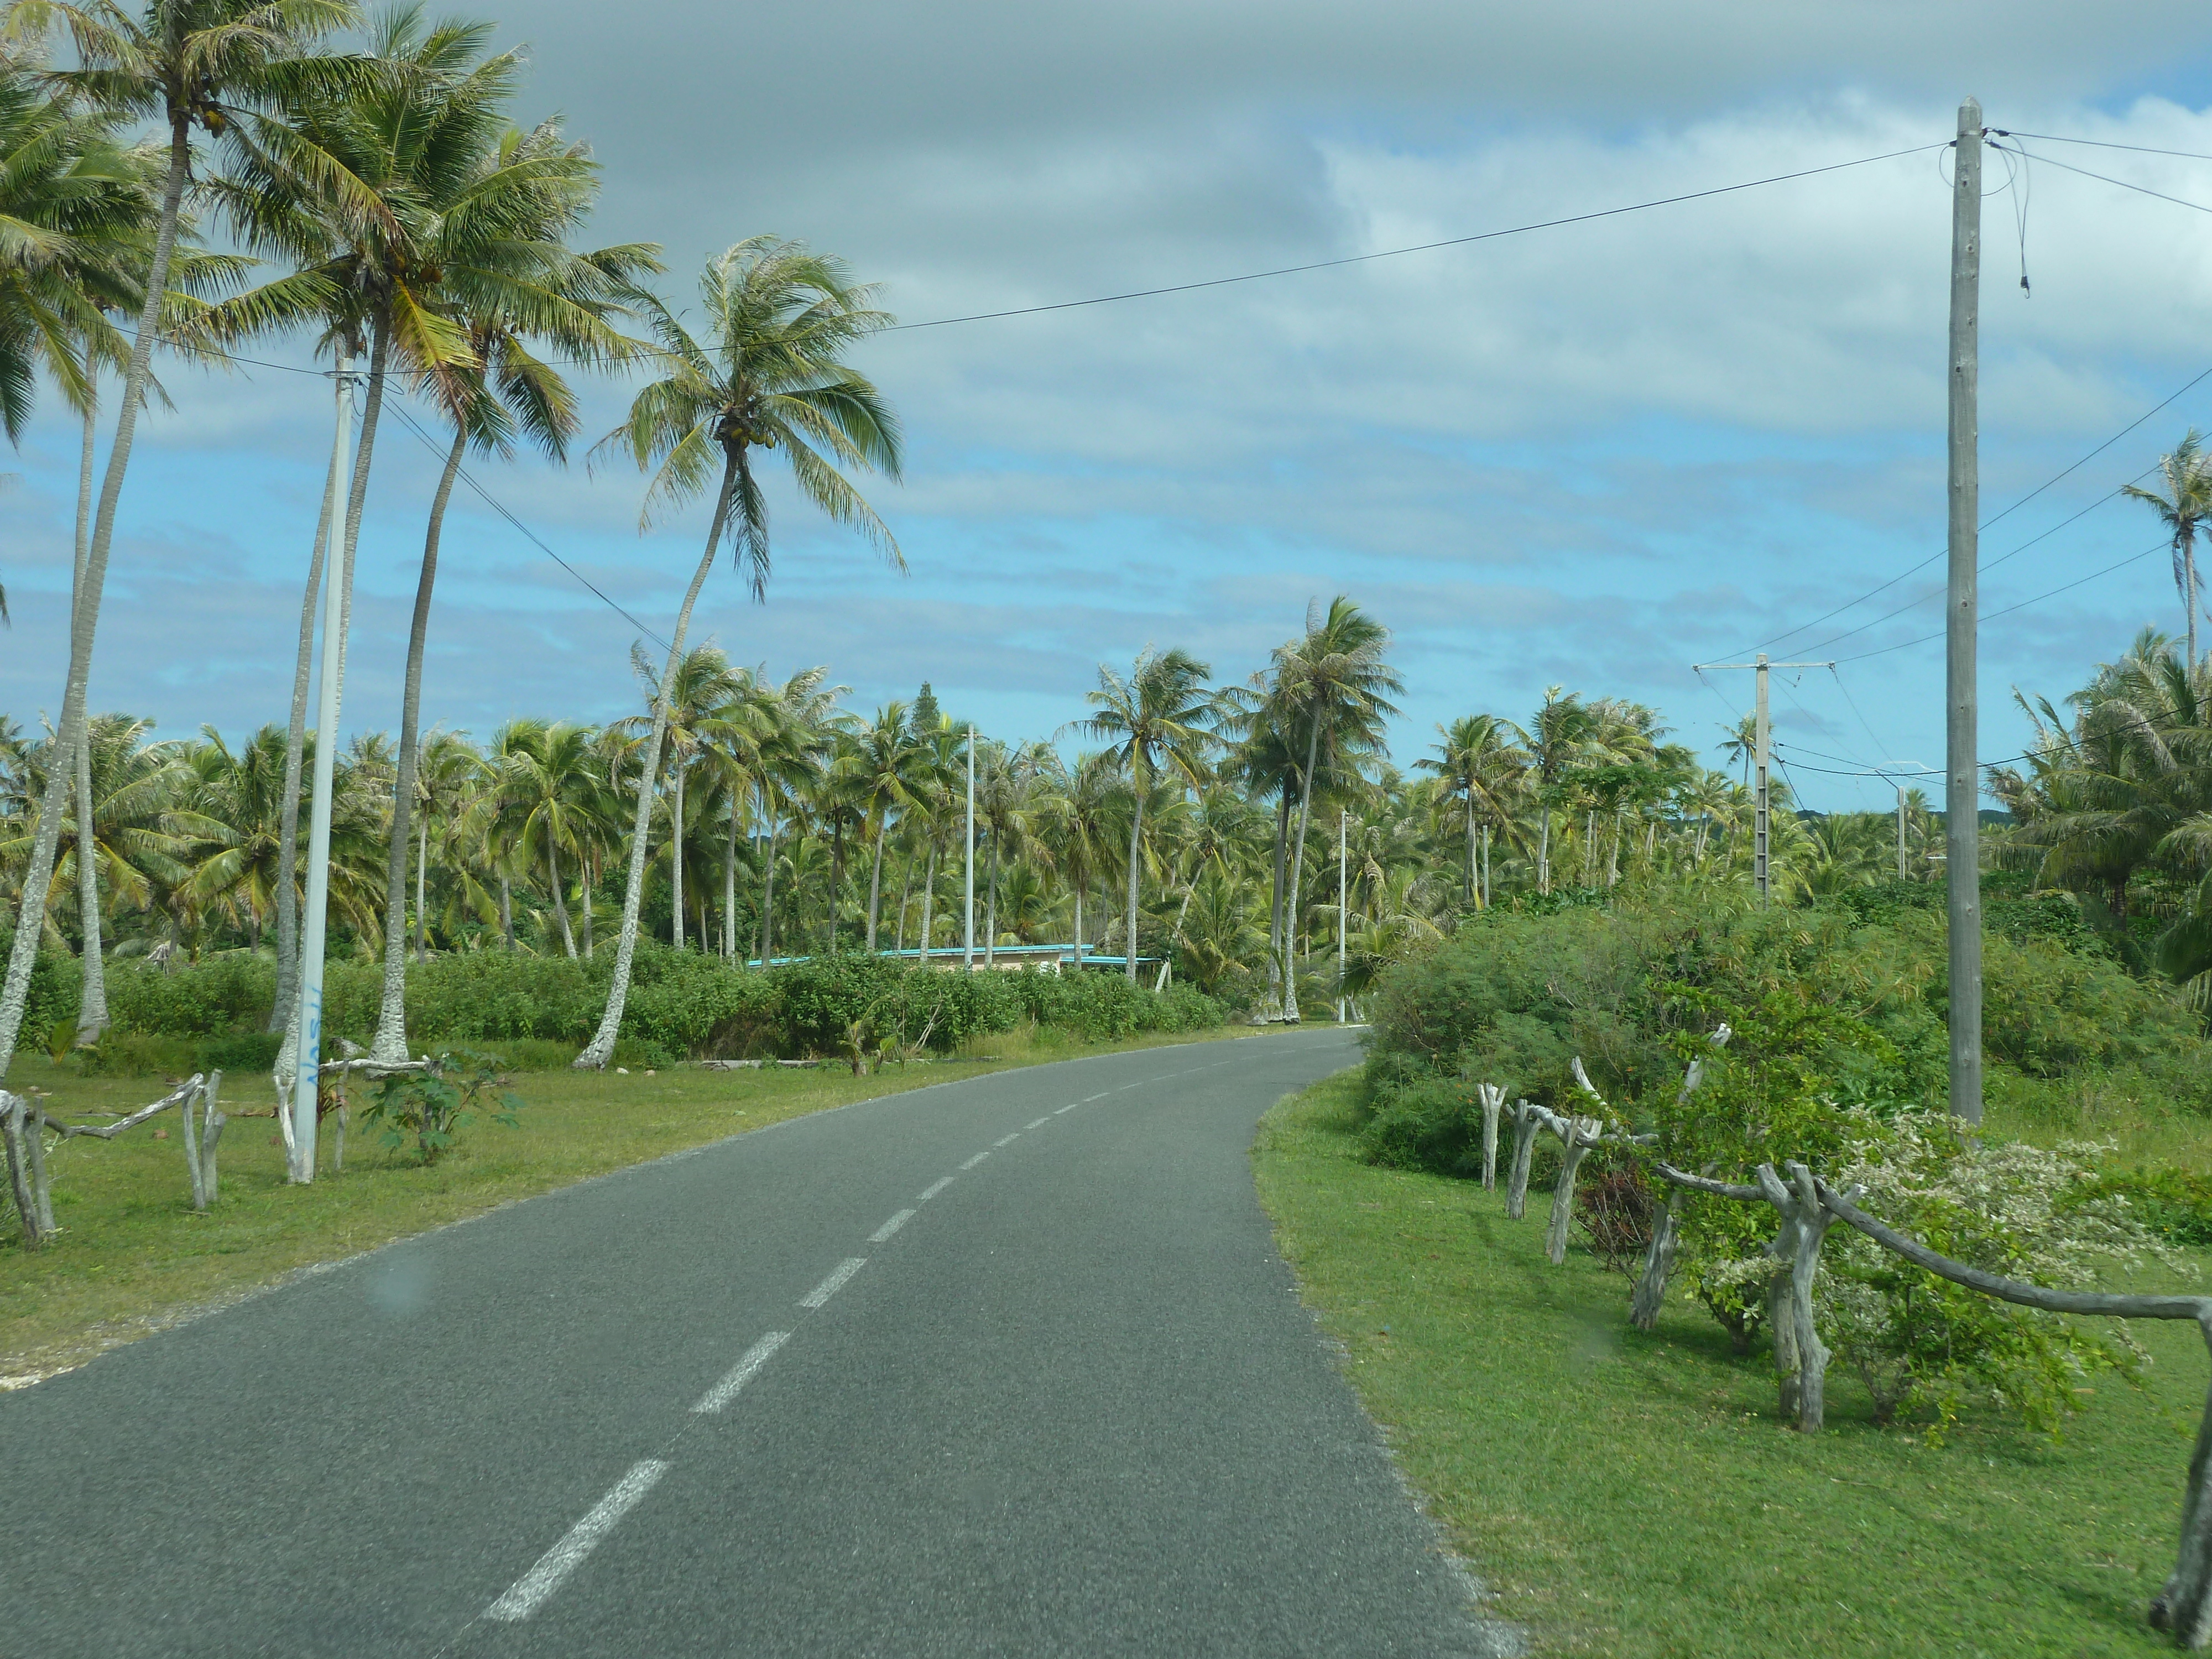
(883, 767)
(205, 64)
(1333, 684)
(503, 276)
(1159, 718)
(541, 786)
(768, 374)
(1480, 763)
(2186, 504)
(446, 771)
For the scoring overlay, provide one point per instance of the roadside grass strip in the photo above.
(741, 1373)
(1637, 1496)
(528, 1593)
(829, 1286)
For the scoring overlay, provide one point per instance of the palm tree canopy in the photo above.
(766, 372)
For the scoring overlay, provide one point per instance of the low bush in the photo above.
(682, 1004)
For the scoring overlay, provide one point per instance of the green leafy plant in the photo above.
(433, 1106)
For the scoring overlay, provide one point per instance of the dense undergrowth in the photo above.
(682, 1005)
(1839, 1058)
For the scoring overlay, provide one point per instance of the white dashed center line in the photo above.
(1101, 1095)
(829, 1286)
(891, 1226)
(974, 1161)
(528, 1593)
(742, 1373)
(1003, 1140)
(1070, 1107)
(935, 1188)
(1039, 1123)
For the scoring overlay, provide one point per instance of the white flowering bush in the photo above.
(1927, 1347)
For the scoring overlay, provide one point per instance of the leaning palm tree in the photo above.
(2184, 507)
(1157, 722)
(770, 374)
(192, 63)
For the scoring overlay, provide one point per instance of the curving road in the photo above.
(1007, 1366)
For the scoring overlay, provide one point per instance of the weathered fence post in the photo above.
(1526, 1118)
(189, 1114)
(1667, 1231)
(1492, 1096)
(1577, 1136)
(211, 1122)
(12, 1110)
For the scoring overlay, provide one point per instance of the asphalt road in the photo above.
(1008, 1366)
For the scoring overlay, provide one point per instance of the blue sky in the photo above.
(1590, 456)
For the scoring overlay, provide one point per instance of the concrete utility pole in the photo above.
(307, 1056)
(968, 945)
(1962, 823)
(1900, 832)
(1761, 759)
(1342, 818)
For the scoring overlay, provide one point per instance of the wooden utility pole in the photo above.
(1761, 759)
(1962, 782)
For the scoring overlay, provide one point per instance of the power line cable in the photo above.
(1419, 247)
(1990, 615)
(2098, 143)
(486, 496)
(2106, 178)
(2056, 478)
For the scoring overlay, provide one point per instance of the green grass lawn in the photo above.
(1629, 1495)
(131, 1256)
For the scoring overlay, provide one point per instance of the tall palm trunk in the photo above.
(1136, 835)
(296, 748)
(1297, 872)
(553, 879)
(92, 1005)
(836, 877)
(1160, 982)
(676, 856)
(590, 871)
(906, 893)
(991, 909)
(876, 882)
(38, 877)
(601, 1048)
(929, 901)
(1080, 886)
(423, 888)
(389, 1045)
(768, 897)
(1472, 889)
(507, 911)
(1544, 855)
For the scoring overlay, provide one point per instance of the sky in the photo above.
(1589, 456)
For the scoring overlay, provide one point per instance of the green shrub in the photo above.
(2174, 1205)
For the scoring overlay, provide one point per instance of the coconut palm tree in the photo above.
(209, 64)
(768, 374)
(2186, 505)
(1479, 763)
(1334, 685)
(1157, 721)
(883, 767)
(505, 277)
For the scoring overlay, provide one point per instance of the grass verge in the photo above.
(132, 1257)
(1634, 1495)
